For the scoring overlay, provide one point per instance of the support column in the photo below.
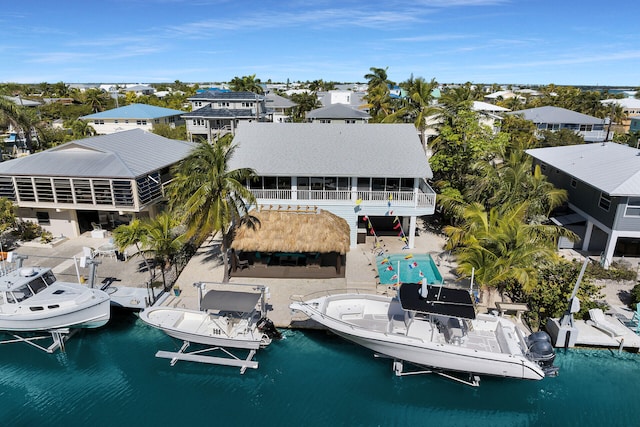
(412, 232)
(587, 236)
(609, 249)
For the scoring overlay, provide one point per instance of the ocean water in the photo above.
(110, 377)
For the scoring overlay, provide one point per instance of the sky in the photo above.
(525, 42)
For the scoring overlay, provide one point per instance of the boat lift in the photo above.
(398, 369)
(228, 358)
(58, 337)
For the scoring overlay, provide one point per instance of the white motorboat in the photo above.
(435, 327)
(226, 319)
(33, 300)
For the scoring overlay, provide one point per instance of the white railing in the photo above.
(421, 198)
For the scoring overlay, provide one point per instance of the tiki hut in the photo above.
(292, 237)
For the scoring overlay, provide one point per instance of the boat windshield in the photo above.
(49, 277)
(19, 294)
(37, 284)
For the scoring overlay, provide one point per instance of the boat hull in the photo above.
(420, 350)
(93, 313)
(200, 327)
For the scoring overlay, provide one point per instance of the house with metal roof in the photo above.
(603, 184)
(133, 116)
(104, 180)
(216, 113)
(373, 176)
(337, 113)
(592, 129)
(630, 108)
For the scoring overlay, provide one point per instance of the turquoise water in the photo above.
(407, 268)
(110, 377)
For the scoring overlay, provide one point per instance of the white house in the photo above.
(133, 116)
(369, 175)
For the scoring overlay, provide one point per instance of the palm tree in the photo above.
(82, 129)
(134, 234)
(305, 102)
(378, 77)
(163, 240)
(96, 99)
(22, 119)
(498, 246)
(420, 106)
(210, 197)
(246, 84)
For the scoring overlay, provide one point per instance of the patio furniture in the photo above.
(108, 249)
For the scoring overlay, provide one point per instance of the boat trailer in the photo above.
(398, 369)
(58, 337)
(227, 358)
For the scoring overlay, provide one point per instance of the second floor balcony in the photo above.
(423, 197)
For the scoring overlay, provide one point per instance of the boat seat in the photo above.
(397, 324)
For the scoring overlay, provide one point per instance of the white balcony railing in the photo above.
(425, 197)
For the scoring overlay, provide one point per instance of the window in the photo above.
(325, 120)
(98, 122)
(633, 207)
(605, 202)
(350, 121)
(574, 183)
(141, 122)
(115, 121)
(44, 190)
(223, 104)
(586, 128)
(247, 104)
(43, 218)
(198, 122)
(543, 167)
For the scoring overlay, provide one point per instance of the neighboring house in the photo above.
(278, 108)
(133, 116)
(634, 124)
(216, 113)
(361, 173)
(103, 180)
(592, 129)
(18, 100)
(630, 107)
(345, 97)
(337, 113)
(603, 184)
(140, 89)
(489, 113)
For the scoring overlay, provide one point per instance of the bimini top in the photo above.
(440, 300)
(230, 301)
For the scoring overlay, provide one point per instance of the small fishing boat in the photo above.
(226, 319)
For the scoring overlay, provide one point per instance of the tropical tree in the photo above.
(133, 234)
(420, 108)
(378, 77)
(164, 240)
(497, 246)
(305, 102)
(23, 119)
(209, 196)
(246, 84)
(81, 129)
(96, 99)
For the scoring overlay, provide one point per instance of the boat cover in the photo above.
(244, 302)
(440, 300)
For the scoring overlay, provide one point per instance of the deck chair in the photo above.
(609, 327)
(96, 226)
(241, 263)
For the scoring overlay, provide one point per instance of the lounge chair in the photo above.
(612, 327)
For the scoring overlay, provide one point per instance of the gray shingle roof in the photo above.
(337, 111)
(314, 149)
(611, 168)
(557, 115)
(127, 154)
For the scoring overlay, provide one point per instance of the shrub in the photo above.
(635, 296)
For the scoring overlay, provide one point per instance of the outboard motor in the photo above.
(541, 351)
(267, 327)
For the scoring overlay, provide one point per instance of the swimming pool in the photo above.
(407, 268)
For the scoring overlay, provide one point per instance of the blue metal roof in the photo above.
(135, 111)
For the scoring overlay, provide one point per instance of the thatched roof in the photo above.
(282, 231)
